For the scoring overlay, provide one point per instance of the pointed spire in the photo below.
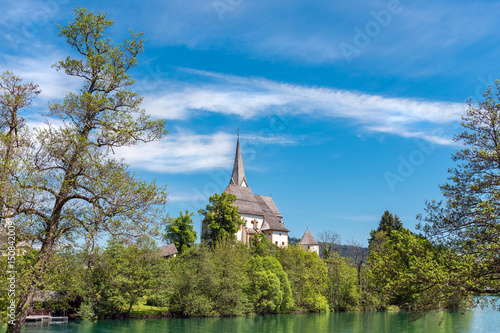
(238, 176)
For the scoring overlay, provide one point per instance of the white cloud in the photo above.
(185, 152)
(257, 97)
(54, 84)
(181, 152)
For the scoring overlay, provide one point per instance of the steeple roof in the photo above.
(308, 239)
(238, 176)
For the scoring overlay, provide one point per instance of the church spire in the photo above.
(238, 176)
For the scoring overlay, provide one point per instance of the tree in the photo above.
(270, 288)
(231, 261)
(358, 256)
(387, 223)
(220, 218)
(195, 283)
(468, 222)
(14, 96)
(68, 184)
(412, 273)
(180, 231)
(342, 292)
(124, 274)
(307, 275)
(330, 241)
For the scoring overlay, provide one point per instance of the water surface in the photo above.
(477, 321)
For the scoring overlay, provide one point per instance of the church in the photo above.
(259, 211)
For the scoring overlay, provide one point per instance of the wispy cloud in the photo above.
(186, 152)
(54, 84)
(258, 97)
(181, 152)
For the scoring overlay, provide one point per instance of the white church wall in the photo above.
(249, 218)
(311, 248)
(280, 238)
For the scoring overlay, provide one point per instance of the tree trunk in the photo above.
(22, 311)
(26, 300)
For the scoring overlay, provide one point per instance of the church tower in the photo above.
(259, 211)
(238, 176)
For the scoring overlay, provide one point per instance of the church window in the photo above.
(276, 242)
(283, 243)
(280, 233)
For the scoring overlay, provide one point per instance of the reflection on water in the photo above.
(481, 321)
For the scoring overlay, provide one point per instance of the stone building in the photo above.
(259, 211)
(308, 243)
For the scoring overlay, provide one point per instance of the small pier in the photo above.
(46, 319)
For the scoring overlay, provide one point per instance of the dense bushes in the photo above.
(226, 279)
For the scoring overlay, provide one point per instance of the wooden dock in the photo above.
(46, 319)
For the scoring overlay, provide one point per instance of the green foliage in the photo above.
(262, 246)
(411, 272)
(212, 282)
(163, 284)
(387, 223)
(180, 231)
(63, 182)
(307, 274)
(123, 275)
(220, 218)
(342, 291)
(86, 311)
(158, 300)
(231, 266)
(195, 282)
(270, 288)
(468, 223)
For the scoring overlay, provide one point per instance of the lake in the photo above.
(477, 321)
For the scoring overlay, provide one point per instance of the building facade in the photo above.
(259, 211)
(308, 243)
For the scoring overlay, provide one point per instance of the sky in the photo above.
(345, 108)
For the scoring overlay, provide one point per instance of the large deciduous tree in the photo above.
(180, 231)
(468, 222)
(14, 96)
(220, 217)
(410, 272)
(67, 184)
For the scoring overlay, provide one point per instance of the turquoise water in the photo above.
(477, 321)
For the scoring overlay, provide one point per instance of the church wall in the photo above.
(311, 248)
(249, 218)
(279, 238)
(238, 235)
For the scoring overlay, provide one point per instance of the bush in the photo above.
(86, 311)
(158, 300)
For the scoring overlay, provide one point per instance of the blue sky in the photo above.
(345, 109)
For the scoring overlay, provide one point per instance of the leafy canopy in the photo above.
(388, 223)
(63, 181)
(220, 217)
(180, 231)
(468, 222)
